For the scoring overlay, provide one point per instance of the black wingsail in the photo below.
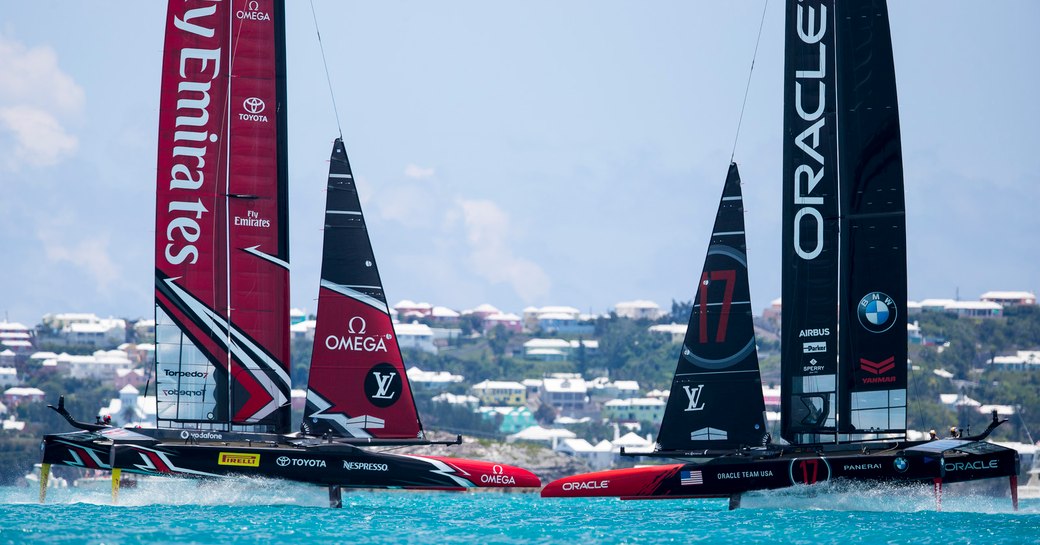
(872, 326)
(809, 351)
(716, 396)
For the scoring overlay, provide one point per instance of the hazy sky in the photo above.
(514, 153)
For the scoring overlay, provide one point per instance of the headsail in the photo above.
(221, 286)
(809, 333)
(872, 327)
(716, 396)
(357, 385)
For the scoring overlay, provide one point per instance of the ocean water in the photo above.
(262, 511)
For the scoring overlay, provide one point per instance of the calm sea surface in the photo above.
(257, 511)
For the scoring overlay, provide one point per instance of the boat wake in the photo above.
(839, 495)
(241, 491)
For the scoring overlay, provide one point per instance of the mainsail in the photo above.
(809, 291)
(844, 252)
(357, 385)
(716, 396)
(222, 276)
(872, 324)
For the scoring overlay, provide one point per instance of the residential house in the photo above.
(599, 456)
(1009, 298)
(509, 321)
(130, 408)
(431, 380)
(498, 393)
(17, 395)
(640, 409)
(1021, 361)
(513, 419)
(638, 310)
(677, 332)
(415, 336)
(565, 392)
(8, 377)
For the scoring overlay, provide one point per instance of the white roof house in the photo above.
(676, 331)
(415, 336)
(1010, 297)
(538, 434)
(638, 310)
(432, 379)
(598, 456)
(130, 408)
(1023, 359)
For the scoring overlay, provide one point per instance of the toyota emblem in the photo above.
(253, 105)
(282, 461)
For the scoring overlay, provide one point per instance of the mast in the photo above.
(222, 345)
(809, 296)
(716, 395)
(872, 328)
(357, 385)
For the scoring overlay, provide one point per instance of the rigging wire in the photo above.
(324, 63)
(747, 87)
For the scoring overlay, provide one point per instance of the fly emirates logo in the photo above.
(357, 340)
(193, 139)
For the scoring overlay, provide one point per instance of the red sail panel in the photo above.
(357, 386)
(259, 275)
(221, 257)
(190, 245)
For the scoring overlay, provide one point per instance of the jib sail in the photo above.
(716, 395)
(357, 386)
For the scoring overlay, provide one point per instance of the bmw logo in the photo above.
(282, 461)
(900, 464)
(877, 312)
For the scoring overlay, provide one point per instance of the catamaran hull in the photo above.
(325, 464)
(730, 476)
(263, 455)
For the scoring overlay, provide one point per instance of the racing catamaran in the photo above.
(844, 344)
(221, 294)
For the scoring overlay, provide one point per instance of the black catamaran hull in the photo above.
(179, 453)
(765, 469)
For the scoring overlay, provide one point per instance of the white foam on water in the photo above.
(840, 495)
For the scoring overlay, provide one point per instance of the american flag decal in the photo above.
(687, 478)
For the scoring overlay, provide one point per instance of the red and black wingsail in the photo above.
(809, 347)
(716, 396)
(357, 385)
(222, 277)
(872, 326)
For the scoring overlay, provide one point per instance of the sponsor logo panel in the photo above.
(814, 347)
(244, 459)
(286, 461)
(383, 385)
(877, 312)
(357, 339)
(364, 466)
(966, 466)
(497, 476)
(586, 485)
